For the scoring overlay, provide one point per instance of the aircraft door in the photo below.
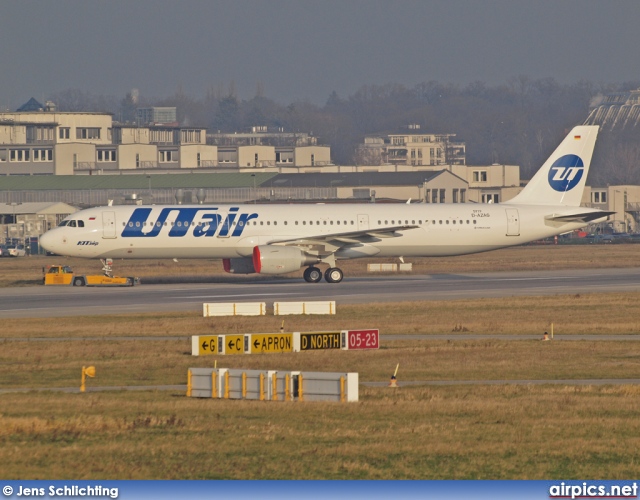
(363, 222)
(108, 224)
(513, 222)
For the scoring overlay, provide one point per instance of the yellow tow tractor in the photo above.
(64, 275)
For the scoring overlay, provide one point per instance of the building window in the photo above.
(455, 196)
(19, 155)
(479, 176)
(168, 156)
(463, 196)
(106, 155)
(599, 196)
(491, 198)
(3, 155)
(88, 133)
(64, 132)
(42, 155)
(198, 163)
(442, 197)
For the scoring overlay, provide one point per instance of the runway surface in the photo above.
(40, 301)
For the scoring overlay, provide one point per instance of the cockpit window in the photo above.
(72, 223)
(64, 223)
(80, 223)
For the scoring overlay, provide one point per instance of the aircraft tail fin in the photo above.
(561, 180)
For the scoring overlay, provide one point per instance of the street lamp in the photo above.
(254, 188)
(624, 207)
(13, 205)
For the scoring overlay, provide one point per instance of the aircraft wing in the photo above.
(583, 217)
(339, 240)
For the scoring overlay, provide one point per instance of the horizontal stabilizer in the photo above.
(584, 217)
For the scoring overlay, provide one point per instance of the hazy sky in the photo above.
(301, 49)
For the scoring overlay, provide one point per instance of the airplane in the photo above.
(279, 239)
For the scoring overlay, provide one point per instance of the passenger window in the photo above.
(130, 224)
(440, 222)
(137, 224)
(285, 223)
(275, 222)
(447, 222)
(304, 222)
(268, 223)
(261, 223)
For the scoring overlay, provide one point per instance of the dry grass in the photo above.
(28, 271)
(605, 313)
(527, 432)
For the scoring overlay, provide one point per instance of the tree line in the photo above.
(519, 122)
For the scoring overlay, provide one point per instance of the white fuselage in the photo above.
(231, 231)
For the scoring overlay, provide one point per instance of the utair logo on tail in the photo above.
(566, 172)
(141, 224)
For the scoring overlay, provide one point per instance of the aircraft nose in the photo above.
(48, 241)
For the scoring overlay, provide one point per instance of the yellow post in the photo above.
(244, 385)
(287, 393)
(300, 394)
(189, 383)
(342, 389)
(226, 385)
(213, 384)
(274, 387)
(262, 387)
(551, 330)
(89, 371)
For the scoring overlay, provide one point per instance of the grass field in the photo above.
(419, 432)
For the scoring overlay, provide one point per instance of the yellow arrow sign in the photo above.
(207, 344)
(271, 342)
(233, 344)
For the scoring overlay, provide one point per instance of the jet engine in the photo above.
(271, 259)
(242, 265)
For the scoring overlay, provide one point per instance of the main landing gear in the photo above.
(331, 275)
